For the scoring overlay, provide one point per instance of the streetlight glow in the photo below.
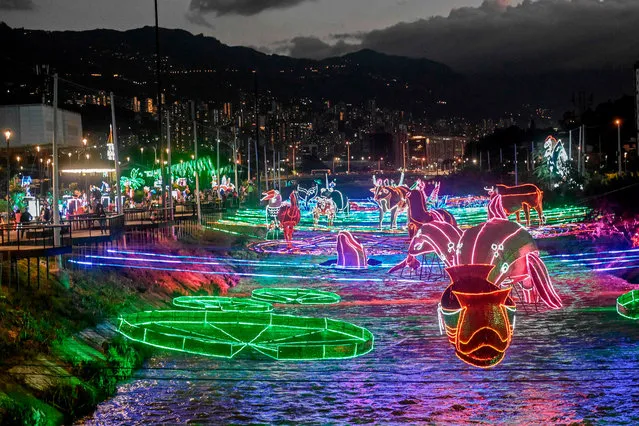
(7, 134)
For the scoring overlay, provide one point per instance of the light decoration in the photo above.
(477, 316)
(274, 203)
(364, 218)
(341, 201)
(296, 296)
(203, 165)
(222, 304)
(389, 198)
(628, 305)
(555, 158)
(418, 212)
(288, 217)
(325, 207)
(226, 334)
(350, 252)
(110, 145)
(307, 195)
(134, 181)
(521, 197)
(497, 242)
(88, 171)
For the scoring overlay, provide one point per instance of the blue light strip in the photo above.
(242, 274)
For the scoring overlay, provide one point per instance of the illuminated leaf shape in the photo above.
(222, 304)
(226, 334)
(295, 296)
(628, 305)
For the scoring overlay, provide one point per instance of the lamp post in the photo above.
(334, 160)
(379, 163)
(618, 123)
(348, 157)
(625, 159)
(7, 136)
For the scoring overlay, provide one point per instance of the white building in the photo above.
(33, 125)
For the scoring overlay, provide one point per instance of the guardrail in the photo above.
(92, 225)
(35, 235)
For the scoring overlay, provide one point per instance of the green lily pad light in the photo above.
(223, 304)
(628, 305)
(226, 334)
(295, 296)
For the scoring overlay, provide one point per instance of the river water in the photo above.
(576, 364)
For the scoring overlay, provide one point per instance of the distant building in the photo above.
(33, 125)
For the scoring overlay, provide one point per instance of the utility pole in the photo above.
(265, 169)
(257, 168)
(579, 153)
(217, 171)
(570, 144)
(618, 123)
(55, 174)
(197, 172)
(516, 174)
(159, 102)
(168, 154)
(279, 170)
(257, 137)
(583, 151)
(116, 158)
(235, 156)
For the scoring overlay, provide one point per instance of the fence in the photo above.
(35, 236)
(88, 225)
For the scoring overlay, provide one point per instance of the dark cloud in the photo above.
(531, 37)
(16, 5)
(314, 48)
(198, 19)
(240, 7)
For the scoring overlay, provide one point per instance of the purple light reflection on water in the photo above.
(572, 365)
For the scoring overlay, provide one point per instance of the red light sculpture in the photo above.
(518, 198)
(477, 316)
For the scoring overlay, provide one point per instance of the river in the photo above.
(576, 364)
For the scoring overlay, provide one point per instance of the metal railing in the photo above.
(90, 225)
(35, 235)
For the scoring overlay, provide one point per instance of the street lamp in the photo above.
(379, 163)
(7, 136)
(334, 160)
(84, 141)
(618, 123)
(348, 157)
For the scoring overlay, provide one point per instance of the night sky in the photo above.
(468, 35)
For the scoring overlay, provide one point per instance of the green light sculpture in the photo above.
(222, 304)
(226, 334)
(628, 305)
(295, 296)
